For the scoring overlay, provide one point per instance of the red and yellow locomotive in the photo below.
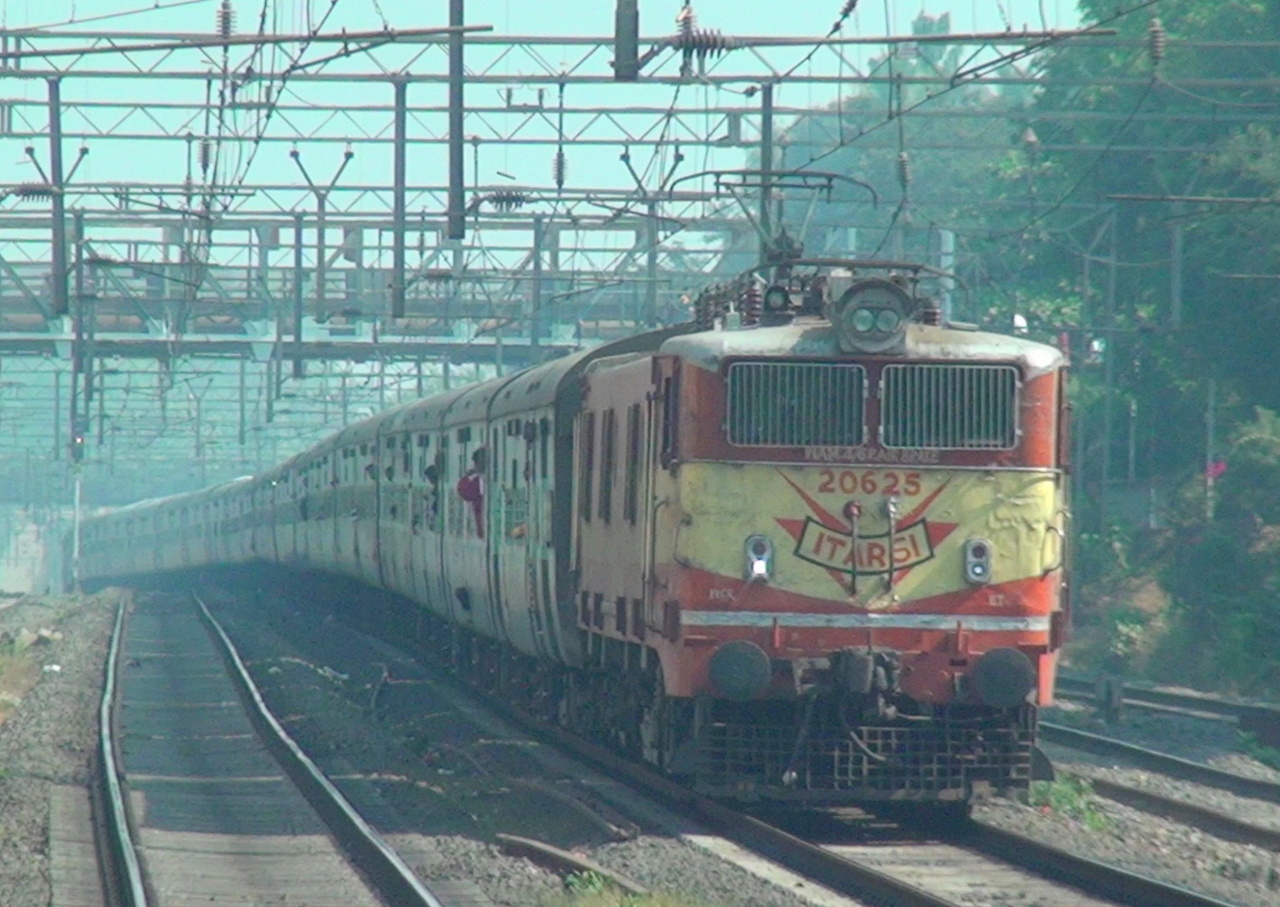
(854, 546)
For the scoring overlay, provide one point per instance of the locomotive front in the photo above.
(867, 515)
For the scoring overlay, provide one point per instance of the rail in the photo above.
(111, 814)
(1175, 766)
(362, 845)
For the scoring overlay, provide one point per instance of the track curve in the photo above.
(199, 808)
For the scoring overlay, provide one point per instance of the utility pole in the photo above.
(1109, 374)
(299, 369)
(1175, 271)
(58, 260)
(651, 266)
(1210, 457)
(457, 215)
(399, 150)
(626, 41)
(535, 297)
(766, 170)
(322, 198)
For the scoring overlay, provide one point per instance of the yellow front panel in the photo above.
(804, 511)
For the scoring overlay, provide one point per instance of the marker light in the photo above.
(759, 559)
(863, 320)
(977, 561)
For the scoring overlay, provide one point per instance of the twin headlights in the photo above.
(871, 316)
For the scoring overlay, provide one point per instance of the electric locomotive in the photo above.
(852, 567)
(809, 548)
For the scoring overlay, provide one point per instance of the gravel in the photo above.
(1146, 844)
(445, 781)
(418, 757)
(1098, 828)
(1212, 741)
(49, 736)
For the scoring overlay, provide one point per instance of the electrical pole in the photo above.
(1109, 374)
(398, 200)
(58, 260)
(457, 216)
(766, 170)
(1209, 456)
(651, 266)
(299, 370)
(535, 297)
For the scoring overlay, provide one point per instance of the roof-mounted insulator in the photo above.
(1156, 41)
(559, 168)
(695, 43)
(904, 169)
(34, 192)
(710, 306)
(226, 21)
(686, 19)
(751, 304)
(506, 199)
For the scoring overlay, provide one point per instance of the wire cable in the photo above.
(932, 96)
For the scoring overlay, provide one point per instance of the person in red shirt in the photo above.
(471, 488)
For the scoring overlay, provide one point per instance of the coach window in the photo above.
(424, 452)
(586, 466)
(608, 463)
(544, 443)
(670, 399)
(631, 492)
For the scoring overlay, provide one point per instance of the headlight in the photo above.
(887, 321)
(871, 316)
(977, 561)
(759, 559)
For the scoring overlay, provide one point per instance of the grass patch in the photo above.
(1254, 749)
(591, 889)
(18, 674)
(1069, 796)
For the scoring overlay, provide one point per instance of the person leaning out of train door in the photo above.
(471, 488)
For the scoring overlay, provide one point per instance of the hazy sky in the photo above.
(583, 17)
(590, 166)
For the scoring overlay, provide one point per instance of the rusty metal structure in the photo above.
(220, 245)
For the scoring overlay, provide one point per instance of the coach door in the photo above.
(658, 487)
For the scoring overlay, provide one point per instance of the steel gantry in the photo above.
(224, 245)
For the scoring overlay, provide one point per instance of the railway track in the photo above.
(1164, 763)
(928, 871)
(207, 798)
(920, 870)
(1260, 719)
(1213, 821)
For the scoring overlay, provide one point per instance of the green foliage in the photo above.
(1224, 577)
(593, 889)
(589, 882)
(1070, 796)
(1102, 556)
(1255, 749)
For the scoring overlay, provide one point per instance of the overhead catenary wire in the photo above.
(843, 142)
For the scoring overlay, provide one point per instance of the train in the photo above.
(809, 547)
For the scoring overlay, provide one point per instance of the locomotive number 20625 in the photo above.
(849, 481)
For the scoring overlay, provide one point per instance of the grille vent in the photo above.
(958, 407)
(795, 404)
